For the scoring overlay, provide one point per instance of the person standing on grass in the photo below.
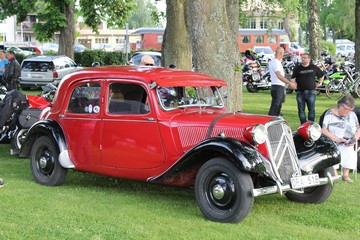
(305, 75)
(3, 63)
(12, 71)
(278, 82)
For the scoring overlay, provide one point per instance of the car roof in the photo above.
(147, 53)
(148, 75)
(44, 58)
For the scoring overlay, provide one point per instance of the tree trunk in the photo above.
(67, 34)
(314, 29)
(357, 35)
(287, 28)
(214, 29)
(176, 42)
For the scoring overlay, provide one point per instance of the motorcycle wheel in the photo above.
(335, 89)
(252, 88)
(18, 140)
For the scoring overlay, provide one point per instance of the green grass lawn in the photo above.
(89, 206)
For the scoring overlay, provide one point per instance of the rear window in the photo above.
(37, 66)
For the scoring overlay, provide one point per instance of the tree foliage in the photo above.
(145, 15)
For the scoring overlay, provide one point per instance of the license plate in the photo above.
(36, 76)
(305, 181)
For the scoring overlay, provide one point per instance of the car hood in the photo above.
(191, 128)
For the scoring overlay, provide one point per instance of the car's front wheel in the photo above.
(44, 163)
(223, 193)
(315, 195)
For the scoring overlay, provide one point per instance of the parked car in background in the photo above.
(47, 47)
(168, 126)
(33, 49)
(136, 58)
(103, 47)
(119, 48)
(345, 50)
(17, 50)
(41, 70)
(265, 54)
(79, 48)
(293, 48)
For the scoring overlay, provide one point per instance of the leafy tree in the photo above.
(58, 16)
(143, 15)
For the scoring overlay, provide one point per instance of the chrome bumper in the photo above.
(285, 188)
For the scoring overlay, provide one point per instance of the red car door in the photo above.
(81, 122)
(130, 136)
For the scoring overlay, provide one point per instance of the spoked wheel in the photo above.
(44, 163)
(223, 193)
(335, 89)
(318, 194)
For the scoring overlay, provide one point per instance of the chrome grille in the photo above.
(282, 151)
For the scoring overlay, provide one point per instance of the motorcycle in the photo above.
(18, 113)
(253, 77)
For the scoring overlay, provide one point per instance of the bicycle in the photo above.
(342, 83)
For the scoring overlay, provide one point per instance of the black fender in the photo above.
(44, 127)
(243, 155)
(316, 156)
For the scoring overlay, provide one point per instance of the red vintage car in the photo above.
(169, 126)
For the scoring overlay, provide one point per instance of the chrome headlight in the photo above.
(256, 134)
(310, 131)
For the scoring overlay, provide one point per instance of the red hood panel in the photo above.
(192, 127)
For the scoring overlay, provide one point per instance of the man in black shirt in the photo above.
(305, 75)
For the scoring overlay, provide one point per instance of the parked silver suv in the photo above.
(40, 70)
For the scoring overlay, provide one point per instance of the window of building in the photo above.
(160, 39)
(252, 23)
(280, 25)
(271, 39)
(121, 40)
(102, 40)
(264, 23)
(259, 39)
(245, 39)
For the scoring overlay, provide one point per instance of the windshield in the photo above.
(171, 98)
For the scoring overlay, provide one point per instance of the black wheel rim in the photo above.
(220, 191)
(45, 162)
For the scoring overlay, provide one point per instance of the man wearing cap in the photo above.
(12, 71)
(147, 60)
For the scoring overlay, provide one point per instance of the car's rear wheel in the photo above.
(44, 163)
(314, 195)
(223, 193)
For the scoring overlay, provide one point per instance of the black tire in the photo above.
(251, 87)
(223, 193)
(44, 163)
(18, 140)
(358, 161)
(24, 87)
(315, 195)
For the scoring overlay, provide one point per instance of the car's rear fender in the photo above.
(244, 156)
(54, 131)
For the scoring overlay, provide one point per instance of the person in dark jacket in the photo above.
(12, 71)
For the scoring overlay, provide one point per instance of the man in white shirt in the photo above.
(278, 82)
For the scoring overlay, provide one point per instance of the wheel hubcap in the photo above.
(46, 162)
(43, 162)
(221, 191)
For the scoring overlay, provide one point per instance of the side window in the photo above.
(85, 99)
(127, 98)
